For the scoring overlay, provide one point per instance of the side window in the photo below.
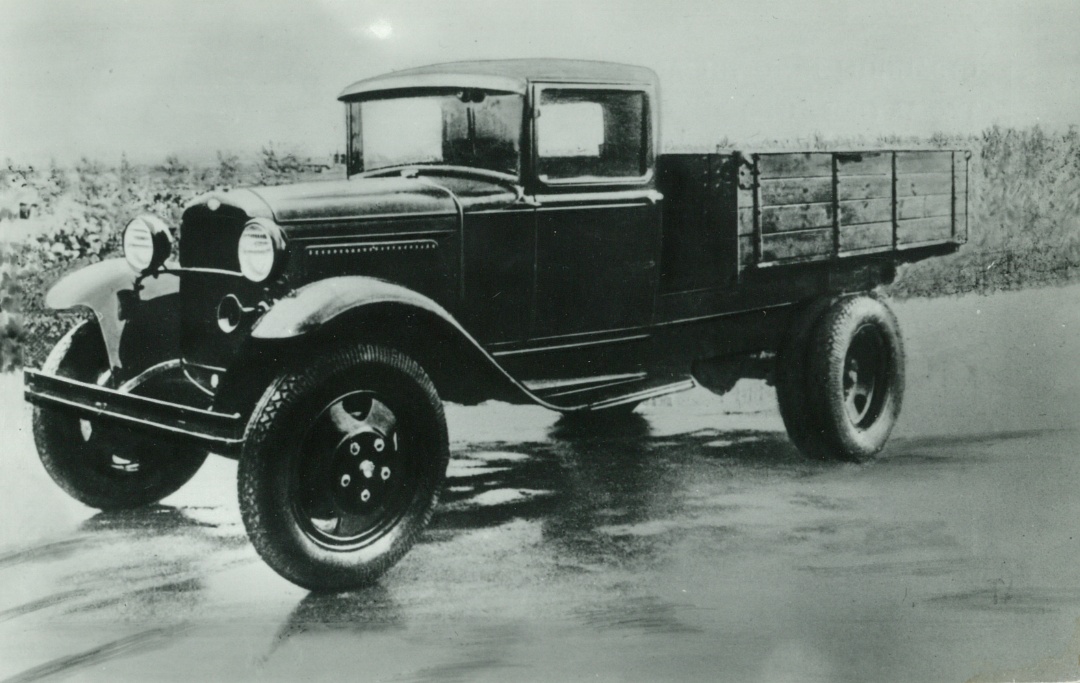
(584, 134)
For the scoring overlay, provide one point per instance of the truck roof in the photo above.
(505, 75)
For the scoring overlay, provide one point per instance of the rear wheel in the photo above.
(840, 381)
(342, 466)
(104, 466)
(792, 372)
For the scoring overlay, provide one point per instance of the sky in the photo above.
(147, 78)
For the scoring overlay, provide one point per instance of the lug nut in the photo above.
(379, 445)
(385, 473)
(345, 480)
(354, 448)
(365, 495)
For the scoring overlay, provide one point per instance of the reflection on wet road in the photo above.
(685, 543)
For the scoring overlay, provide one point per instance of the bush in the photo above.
(83, 211)
(1023, 217)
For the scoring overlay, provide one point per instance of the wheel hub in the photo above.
(364, 471)
(862, 380)
(354, 473)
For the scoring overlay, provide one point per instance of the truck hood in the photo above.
(330, 200)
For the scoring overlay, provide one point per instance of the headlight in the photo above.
(147, 243)
(261, 250)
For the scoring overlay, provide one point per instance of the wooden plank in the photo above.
(795, 165)
(924, 230)
(962, 177)
(746, 250)
(865, 187)
(923, 207)
(781, 191)
(791, 245)
(863, 163)
(866, 236)
(923, 162)
(746, 219)
(961, 204)
(858, 211)
(919, 184)
(795, 217)
(745, 198)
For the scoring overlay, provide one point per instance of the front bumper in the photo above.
(218, 432)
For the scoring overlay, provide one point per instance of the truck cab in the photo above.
(574, 246)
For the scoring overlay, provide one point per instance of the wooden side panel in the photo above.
(797, 245)
(746, 214)
(865, 187)
(923, 162)
(865, 237)
(699, 241)
(963, 195)
(854, 212)
(815, 205)
(922, 184)
(795, 217)
(781, 191)
(863, 163)
(922, 230)
(795, 165)
(924, 207)
(746, 250)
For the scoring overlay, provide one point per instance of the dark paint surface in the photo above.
(692, 542)
(596, 266)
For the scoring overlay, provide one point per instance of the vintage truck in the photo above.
(508, 230)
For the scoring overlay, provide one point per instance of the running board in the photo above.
(549, 389)
(640, 396)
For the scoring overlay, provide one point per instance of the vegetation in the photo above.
(79, 215)
(1024, 219)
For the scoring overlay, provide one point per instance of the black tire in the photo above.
(345, 416)
(792, 378)
(856, 379)
(105, 467)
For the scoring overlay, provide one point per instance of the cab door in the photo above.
(598, 214)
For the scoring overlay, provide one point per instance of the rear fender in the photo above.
(138, 319)
(367, 310)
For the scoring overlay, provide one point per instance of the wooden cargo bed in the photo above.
(796, 207)
(726, 213)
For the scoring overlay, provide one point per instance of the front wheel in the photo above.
(342, 465)
(103, 466)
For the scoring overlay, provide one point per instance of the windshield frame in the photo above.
(353, 129)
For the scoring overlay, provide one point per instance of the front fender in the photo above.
(366, 309)
(101, 287)
(315, 305)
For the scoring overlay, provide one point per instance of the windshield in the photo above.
(461, 128)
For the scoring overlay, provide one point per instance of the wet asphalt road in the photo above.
(691, 543)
